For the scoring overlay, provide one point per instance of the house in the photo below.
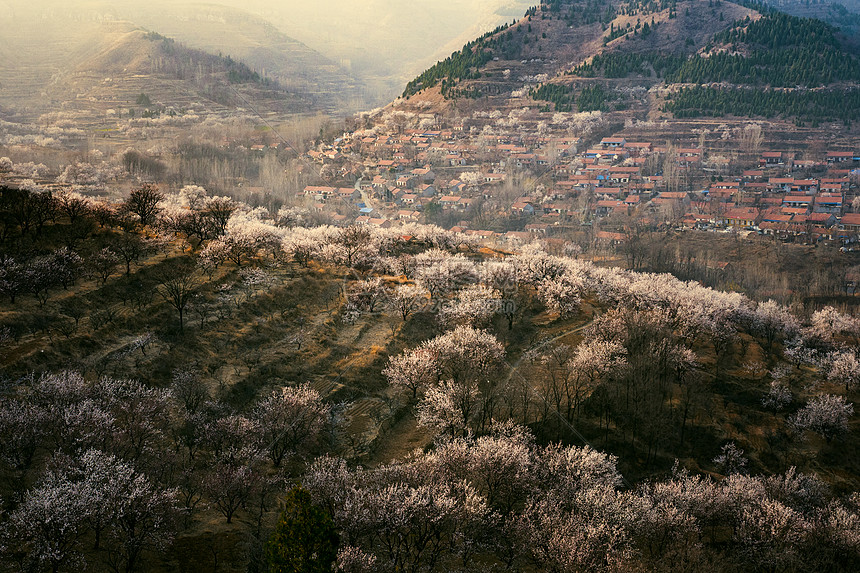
(610, 238)
(456, 187)
(840, 156)
(729, 185)
(613, 142)
(825, 220)
(828, 203)
(348, 193)
(407, 215)
(771, 158)
(783, 184)
(481, 234)
(742, 217)
(379, 223)
(778, 218)
(797, 201)
(405, 181)
(424, 174)
(318, 192)
(850, 222)
(426, 190)
(797, 211)
(537, 228)
(558, 208)
(622, 174)
(606, 206)
(806, 185)
(609, 191)
(698, 220)
(523, 159)
(449, 201)
(690, 153)
(638, 149)
(720, 194)
(523, 208)
(517, 237)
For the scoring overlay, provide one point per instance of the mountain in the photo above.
(55, 49)
(254, 40)
(347, 55)
(643, 57)
(121, 64)
(384, 42)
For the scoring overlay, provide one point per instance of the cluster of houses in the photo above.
(786, 206)
(399, 177)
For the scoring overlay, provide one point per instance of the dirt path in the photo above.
(404, 437)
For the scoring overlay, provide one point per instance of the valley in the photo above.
(582, 298)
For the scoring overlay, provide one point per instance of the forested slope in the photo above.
(766, 63)
(175, 363)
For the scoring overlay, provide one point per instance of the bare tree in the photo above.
(130, 247)
(751, 139)
(177, 290)
(103, 263)
(144, 202)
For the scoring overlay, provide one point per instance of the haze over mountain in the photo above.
(385, 42)
(48, 42)
(345, 56)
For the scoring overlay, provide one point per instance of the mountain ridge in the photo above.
(648, 45)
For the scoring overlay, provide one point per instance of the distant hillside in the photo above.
(345, 55)
(581, 55)
(221, 29)
(384, 43)
(46, 50)
(776, 50)
(119, 63)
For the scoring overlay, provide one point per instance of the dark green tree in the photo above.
(304, 540)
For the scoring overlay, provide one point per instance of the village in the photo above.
(532, 179)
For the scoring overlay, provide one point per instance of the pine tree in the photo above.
(304, 540)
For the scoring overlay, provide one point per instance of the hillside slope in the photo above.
(120, 62)
(254, 40)
(49, 53)
(563, 47)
